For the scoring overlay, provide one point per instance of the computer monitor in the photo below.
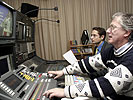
(5, 65)
(6, 21)
(84, 37)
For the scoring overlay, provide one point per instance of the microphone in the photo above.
(56, 8)
(58, 21)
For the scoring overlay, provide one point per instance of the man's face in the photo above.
(95, 37)
(116, 34)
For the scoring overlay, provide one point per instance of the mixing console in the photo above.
(73, 79)
(22, 84)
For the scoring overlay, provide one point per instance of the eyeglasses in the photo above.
(112, 27)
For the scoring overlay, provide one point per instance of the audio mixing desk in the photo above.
(22, 84)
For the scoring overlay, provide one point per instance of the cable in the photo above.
(55, 9)
(57, 21)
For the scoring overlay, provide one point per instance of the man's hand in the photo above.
(57, 73)
(56, 92)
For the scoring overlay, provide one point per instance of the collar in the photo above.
(100, 47)
(123, 49)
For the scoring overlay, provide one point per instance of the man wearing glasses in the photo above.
(117, 84)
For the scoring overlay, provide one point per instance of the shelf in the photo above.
(89, 45)
(82, 54)
(81, 51)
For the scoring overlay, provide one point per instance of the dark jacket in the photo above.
(105, 45)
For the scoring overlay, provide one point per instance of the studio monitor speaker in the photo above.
(29, 10)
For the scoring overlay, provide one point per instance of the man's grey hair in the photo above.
(126, 21)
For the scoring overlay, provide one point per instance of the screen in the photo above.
(12, 81)
(4, 66)
(6, 20)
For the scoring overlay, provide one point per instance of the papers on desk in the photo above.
(69, 56)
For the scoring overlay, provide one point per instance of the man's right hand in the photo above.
(56, 73)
